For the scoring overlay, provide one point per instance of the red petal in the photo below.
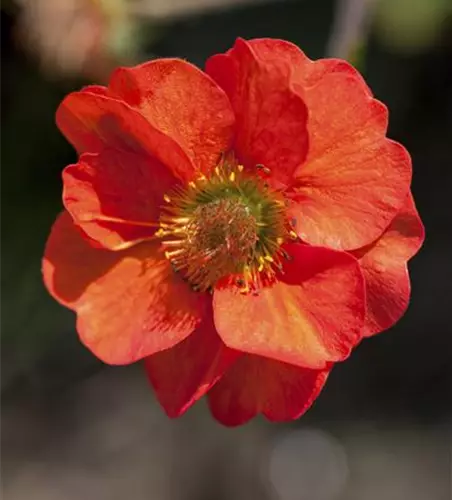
(256, 385)
(313, 315)
(182, 102)
(95, 89)
(183, 374)
(354, 180)
(271, 118)
(384, 265)
(129, 303)
(116, 196)
(305, 72)
(93, 122)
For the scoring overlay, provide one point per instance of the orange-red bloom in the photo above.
(240, 230)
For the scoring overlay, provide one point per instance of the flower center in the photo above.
(231, 225)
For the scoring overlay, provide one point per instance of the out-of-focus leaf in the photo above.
(411, 26)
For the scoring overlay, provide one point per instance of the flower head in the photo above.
(240, 230)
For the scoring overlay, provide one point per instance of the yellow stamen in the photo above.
(171, 243)
(181, 220)
(169, 255)
(223, 225)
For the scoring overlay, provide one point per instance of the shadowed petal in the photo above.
(183, 374)
(182, 102)
(253, 385)
(116, 196)
(92, 122)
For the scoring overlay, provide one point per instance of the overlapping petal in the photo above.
(129, 304)
(311, 316)
(182, 102)
(354, 180)
(271, 118)
(95, 89)
(305, 72)
(92, 122)
(254, 385)
(183, 374)
(384, 265)
(116, 196)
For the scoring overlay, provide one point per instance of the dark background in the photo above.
(73, 428)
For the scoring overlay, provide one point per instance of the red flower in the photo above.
(249, 224)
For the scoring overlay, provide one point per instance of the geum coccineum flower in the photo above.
(241, 230)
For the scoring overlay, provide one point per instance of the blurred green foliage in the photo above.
(411, 26)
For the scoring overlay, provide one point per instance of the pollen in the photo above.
(227, 225)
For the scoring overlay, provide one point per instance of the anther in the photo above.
(181, 220)
(171, 243)
(232, 176)
(167, 198)
(293, 235)
(170, 254)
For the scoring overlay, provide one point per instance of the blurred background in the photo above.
(74, 429)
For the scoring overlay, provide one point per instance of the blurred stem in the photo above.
(350, 30)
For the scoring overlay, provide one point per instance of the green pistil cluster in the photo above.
(228, 225)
